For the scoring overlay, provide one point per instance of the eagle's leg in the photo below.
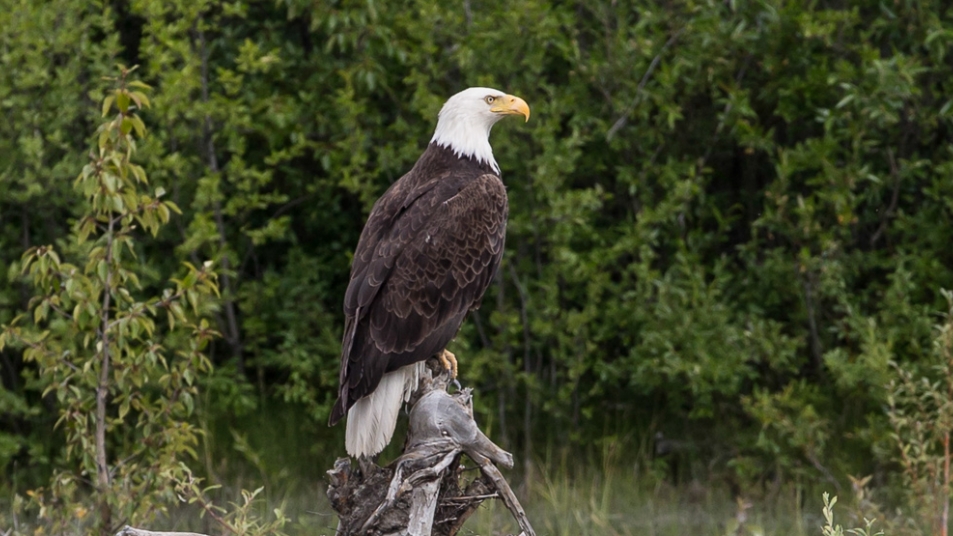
(449, 362)
(367, 464)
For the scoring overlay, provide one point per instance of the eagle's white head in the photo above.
(466, 118)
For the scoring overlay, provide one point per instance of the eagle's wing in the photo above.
(424, 260)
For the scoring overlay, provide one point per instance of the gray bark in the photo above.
(425, 491)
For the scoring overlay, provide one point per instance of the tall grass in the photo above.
(620, 500)
(615, 490)
(590, 503)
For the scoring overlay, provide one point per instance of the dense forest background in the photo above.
(730, 221)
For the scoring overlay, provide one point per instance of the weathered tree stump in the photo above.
(426, 491)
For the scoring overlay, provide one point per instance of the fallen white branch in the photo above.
(133, 531)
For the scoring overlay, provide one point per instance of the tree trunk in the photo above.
(425, 490)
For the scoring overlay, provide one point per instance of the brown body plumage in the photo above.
(427, 254)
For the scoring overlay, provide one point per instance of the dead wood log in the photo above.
(132, 531)
(426, 490)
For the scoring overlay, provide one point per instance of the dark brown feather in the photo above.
(426, 255)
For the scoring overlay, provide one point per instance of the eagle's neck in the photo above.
(439, 159)
(466, 137)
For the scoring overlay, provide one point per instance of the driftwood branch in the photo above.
(132, 531)
(425, 491)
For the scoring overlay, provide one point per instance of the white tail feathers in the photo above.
(371, 421)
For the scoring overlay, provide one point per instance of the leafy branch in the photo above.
(122, 380)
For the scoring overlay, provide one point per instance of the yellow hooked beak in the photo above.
(510, 105)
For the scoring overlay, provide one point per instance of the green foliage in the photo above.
(44, 79)
(123, 383)
(121, 365)
(727, 218)
(830, 529)
(920, 401)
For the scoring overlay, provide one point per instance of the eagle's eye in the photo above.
(489, 99)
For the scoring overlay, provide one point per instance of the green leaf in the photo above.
(102, 270)
(122, 101)
(172, 206)
(946, 107)
(103, 140)
(845, 101)
(163, 210)
(140, 98)
(107, 104)
(138, 125)
(189, 403)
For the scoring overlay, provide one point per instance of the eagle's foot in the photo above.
(449, 362)
(367, 465)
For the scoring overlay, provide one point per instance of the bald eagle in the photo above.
(428, 251)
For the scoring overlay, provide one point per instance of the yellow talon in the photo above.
(449, 362)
